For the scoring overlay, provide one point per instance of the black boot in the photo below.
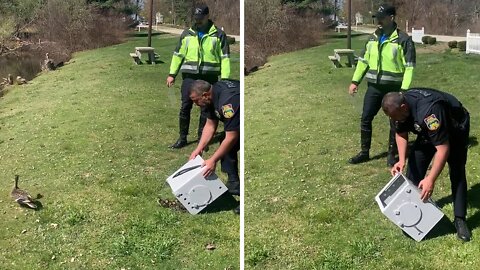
(233, 185)
(184, 124)
(463, 233)
(237, 210)
(392, 150)
(181, 142)
(364, 155)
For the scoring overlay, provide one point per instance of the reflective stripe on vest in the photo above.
(214, 43)
(394, 54)
(385, 77)
(178, 54)
(361, 59)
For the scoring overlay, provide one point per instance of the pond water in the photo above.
(21, 63)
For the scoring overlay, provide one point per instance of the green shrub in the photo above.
(230, 40)
(462, 46)
(425, 39)
(452, 44)
(432, 40)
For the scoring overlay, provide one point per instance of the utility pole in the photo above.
(173, 13)
(349, 31)
(150, 25)
(136, 12)
(373, 20)
(335, 11)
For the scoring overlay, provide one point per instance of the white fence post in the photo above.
(473, 42)
(468, 37)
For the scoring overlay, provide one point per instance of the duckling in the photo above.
(21, 80)
(10, 79)
(21, 196)
(48, 63)
(172, 204)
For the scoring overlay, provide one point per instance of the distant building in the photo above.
(158, 18)
(358, 18)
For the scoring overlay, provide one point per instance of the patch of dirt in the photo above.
(235, 47)
(439, 47)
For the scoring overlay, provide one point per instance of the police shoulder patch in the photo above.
(432, 122)
(228, 111)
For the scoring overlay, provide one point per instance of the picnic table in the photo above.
(338, 53)
(339, 27)
(137, 55)
(140, 26)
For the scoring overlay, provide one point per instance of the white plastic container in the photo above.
(193, 190)
(400, 202)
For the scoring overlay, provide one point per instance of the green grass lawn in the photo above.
(305, 206)
(92, 138)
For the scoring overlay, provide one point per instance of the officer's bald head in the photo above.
(394, 105)
(199, 87)
(200, 93)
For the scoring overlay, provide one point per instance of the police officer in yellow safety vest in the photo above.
(202, 53)
(387, 63)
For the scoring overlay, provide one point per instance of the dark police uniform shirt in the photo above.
(434, 115)
(226, 104)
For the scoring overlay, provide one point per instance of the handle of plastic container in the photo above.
(186, 170)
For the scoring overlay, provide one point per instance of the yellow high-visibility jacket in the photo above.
(209, 55)
(390, 62)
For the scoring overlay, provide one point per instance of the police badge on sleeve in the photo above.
(432, 122)
(228, 111)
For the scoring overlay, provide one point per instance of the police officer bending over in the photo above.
(221, 101)
(442, 126)
(202, 53)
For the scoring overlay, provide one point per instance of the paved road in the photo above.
(370, 30)
(176, 31)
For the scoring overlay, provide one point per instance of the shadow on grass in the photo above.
(344, 35)
(158, 61)
(443, 227)
(472, 141)
(474, 201)
(188, 143)
(218, 137)
(473, 197)
(145, 34)
(379, 156)
(226, 202)
(385, 154)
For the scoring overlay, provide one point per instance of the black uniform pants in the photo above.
(187, 103)
(372, 103)
(230, 162)
(422, 153)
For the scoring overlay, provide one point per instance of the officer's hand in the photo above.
(194, 154)
(208, 167)
(170, 81)
(426, 185)
(352, 89)
(397, 168)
